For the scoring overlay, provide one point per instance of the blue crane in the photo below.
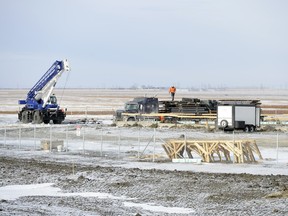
(40, 104)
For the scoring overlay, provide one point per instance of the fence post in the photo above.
(119, 140)
(234, 159)
(101, 149)
(50, 137)
(34, 137)
(154, 142)
(185, 137)
(5, 133)
(83, 139)
(277, 147)
(19, 136)
(67, 137)
(138, 155)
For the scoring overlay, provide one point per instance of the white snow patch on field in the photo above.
(13, 192)
(154, 208)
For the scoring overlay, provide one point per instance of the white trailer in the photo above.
(238, 115)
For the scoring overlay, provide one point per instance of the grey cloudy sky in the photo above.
(124, 43)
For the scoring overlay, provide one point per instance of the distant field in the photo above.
(106, 101)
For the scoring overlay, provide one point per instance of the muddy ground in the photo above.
(206, 194)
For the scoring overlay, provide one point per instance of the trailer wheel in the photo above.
(252, 129)
(224, 123)
(247, 128)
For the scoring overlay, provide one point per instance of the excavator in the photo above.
(41, 104)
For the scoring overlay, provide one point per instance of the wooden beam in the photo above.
(242, 150)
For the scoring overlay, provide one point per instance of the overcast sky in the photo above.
(124, 43)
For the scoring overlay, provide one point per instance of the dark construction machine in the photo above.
(40, 104)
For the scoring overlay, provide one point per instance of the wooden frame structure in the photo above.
(242, 150)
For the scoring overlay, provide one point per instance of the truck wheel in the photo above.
(252, 129)
(25, 117)
(224, 123)
(46, 121)
(247, 129)
(131, 119)
(37, 118)
(56, 121)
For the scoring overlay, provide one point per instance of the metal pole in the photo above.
(19, 136)
(5, 133)
(154, 142)
(34, 137)
(67, 137)
(119, 140)
(234, 147)
(138, 154)
(185, 142)
(277, 147)
(50, 138)
(101, 150)
(83, 140)
(73, 169)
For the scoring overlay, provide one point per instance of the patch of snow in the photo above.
(163, 209)
(13, 192)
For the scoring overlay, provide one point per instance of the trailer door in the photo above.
(224, 113)
(245, 113)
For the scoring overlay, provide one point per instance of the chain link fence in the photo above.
(138, 143)
(97, 140)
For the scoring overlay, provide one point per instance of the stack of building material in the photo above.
(238, 151)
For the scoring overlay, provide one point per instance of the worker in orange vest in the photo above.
(172, 91)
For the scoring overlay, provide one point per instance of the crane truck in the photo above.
(40, 104)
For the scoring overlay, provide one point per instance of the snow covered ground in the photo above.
(116, 142)
(111, 148)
